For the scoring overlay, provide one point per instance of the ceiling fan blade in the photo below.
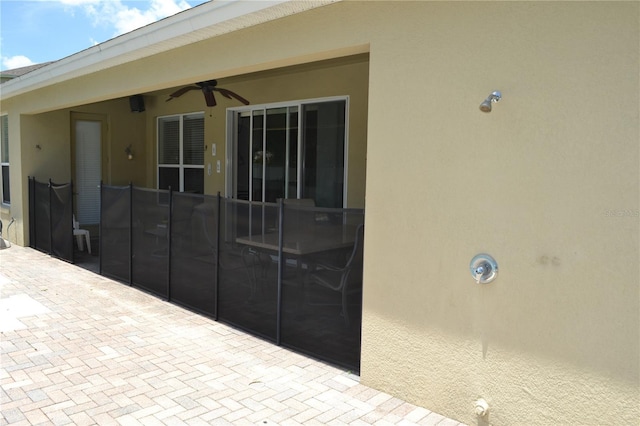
(229, 95)
(209, 98)
(182, 91)
(224, 93)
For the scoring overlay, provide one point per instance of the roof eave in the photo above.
(199, 23)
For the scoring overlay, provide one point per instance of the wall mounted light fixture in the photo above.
(494, 97)
(129, 151)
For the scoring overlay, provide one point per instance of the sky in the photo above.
(36, 31)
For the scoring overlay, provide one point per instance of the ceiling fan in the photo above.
(208, 87)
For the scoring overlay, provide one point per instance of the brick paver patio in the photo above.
(78, 348)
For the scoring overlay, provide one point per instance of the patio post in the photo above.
(217, 259)
(50, 220)
(100, 233)
(130, 233)
(280, 260)
(169, 220)
(32, 212)
(71, 236)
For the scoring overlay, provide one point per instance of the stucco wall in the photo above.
(38, 147)
(45, 146)
(538, 183)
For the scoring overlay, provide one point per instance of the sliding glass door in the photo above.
(295, 150)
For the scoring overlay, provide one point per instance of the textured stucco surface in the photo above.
(547, 183)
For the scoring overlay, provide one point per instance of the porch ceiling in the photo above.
(202, 22)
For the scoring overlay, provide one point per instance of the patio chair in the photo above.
(299, 223)
(298, 220)
(81, 235)
(305, 202)
(230, 260)
(339, 277)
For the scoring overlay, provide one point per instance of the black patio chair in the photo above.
(341, 278)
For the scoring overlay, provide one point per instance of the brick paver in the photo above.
(78, 348)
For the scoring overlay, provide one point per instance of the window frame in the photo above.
(181, 165)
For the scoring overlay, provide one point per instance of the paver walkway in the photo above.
(78, 348)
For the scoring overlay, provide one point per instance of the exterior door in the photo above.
(87, 137)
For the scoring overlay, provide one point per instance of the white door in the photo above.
(88, 142)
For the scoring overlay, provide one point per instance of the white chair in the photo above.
(79, 233)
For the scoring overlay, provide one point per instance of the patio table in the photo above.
(299, 247)
(329, 239)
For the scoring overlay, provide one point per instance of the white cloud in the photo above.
(113, 13)
(78, 2)
(18, 61)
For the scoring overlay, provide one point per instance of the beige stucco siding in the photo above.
(554, 340)
(547, 183)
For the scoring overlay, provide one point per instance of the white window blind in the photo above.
(169, 140)
(193, 139)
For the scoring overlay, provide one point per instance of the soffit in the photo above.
(202, 22)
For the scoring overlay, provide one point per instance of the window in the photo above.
(4, 158)
(289, 150)
(181, 153)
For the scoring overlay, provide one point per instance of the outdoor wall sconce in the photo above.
(129, 151)
(494, 97)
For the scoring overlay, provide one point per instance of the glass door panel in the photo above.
(324, 138)
(292, 154)
(243, 156)
(276, 154)
(257, 157)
